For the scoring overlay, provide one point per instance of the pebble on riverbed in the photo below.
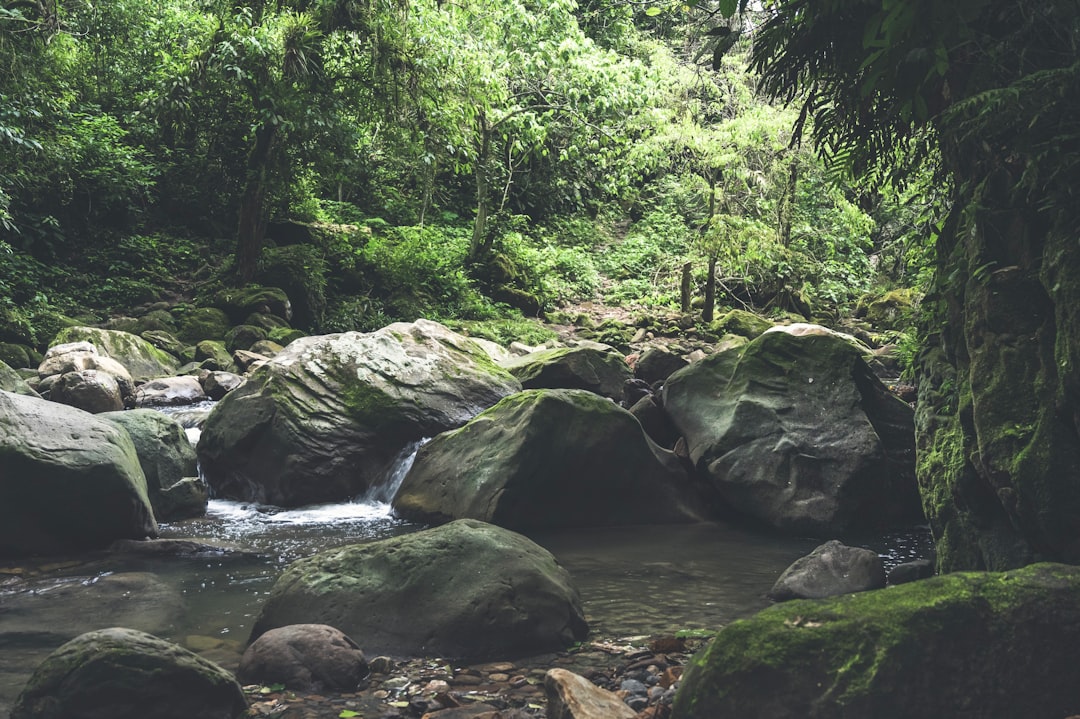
(643, 680)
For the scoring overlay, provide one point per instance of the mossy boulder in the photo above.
(242, 302)
(12, 381)
(165, 341)
(166, 457)
(796, 431)
(212, 354)
(964, 646)
(267, 322)
(326, 418)
(548, 458)
(141, 359)
(68, 480)
(891, 310)
(472, 590)
(15, 355)
(591, 367)
(203, 323)
(242, 337)
(283, 335)
(740, 322)
(126, 674)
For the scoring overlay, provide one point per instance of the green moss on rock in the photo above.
(959, 645)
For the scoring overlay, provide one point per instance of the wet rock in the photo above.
(305, 657)
(68, 480)
(830, 570)
(547, 458)
(472, 590)
(141, 359)
(170, 392)
(238, 304)
(796, 431)
(168, 462)
(327, 418)
(213, 355)
(655, 421)
(592, 367)
(965, 645)
(203, 323)
(242, 337)
(571, 696)
(125, 674)
(248, 362)
(266, 348)
(911, 571)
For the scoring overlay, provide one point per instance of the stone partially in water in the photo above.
(796, 431)
(68, 480)
(121, 673)
(327, 417)
(964, 646)
(466, 589)
(548, 458)
(830, 570)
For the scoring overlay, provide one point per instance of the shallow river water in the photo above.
(634, 581)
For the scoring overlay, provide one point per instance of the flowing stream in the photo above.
(634, 581)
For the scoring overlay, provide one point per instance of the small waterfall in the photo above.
(191, 417)
(385, 491)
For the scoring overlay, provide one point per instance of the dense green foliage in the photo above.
(381, 161)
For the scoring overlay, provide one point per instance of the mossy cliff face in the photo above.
(998, 424)
(959, 645)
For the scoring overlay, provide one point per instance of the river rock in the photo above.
(167, 458)
(239, 303)
(547, 458)
(963, 646)
(911, 571)
(89, 390)
(304, 657)
(593, 367)
(796, 431)
(242, 337)
(141, 359)
(170, 392)
(571, 696)
(327, 417)
(656, 364)
(217, 384)
(830, 570)
(465, 589)
(203, 323)
(121, 673)
(68, 480)
(12, 381)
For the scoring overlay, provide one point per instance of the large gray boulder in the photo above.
(89, 389)
(141, 359)
(68, 480)
(170, 392)
(465, 589)
(167, 458)
(548, 458)
(593, 367)
(796, 431)
(963, 646)
(122, 673)
(12, 381)
(327, 417)
(830, 570)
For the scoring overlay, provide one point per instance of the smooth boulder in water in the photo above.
(120, 673)
(326, 418)
(967, 645)
(466, 589)
(68, 480)
(548, 458)
(795, 430)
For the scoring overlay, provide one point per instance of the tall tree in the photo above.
(992, 86)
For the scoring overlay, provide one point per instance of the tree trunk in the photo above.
(710, 291)
(684, 288)
(787, 204)
(480, 243)
(251, 228)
